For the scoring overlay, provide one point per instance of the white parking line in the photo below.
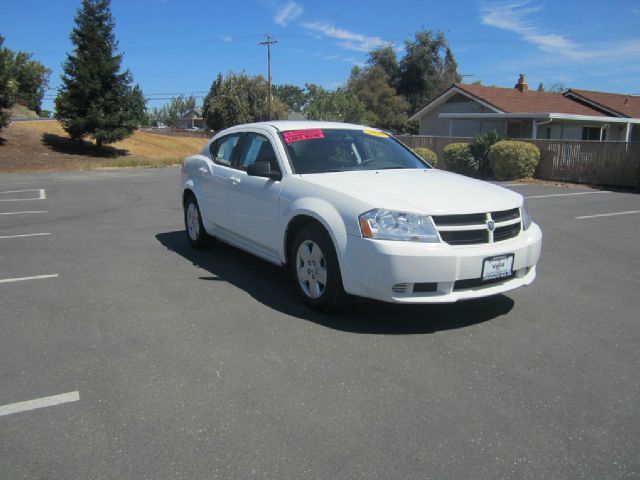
(24, 235)
(24, 279)
(39, 403)
(566, 194)
(23, 213)
(42, 195)
(628, 212)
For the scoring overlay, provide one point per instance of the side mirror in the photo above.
(263, 169)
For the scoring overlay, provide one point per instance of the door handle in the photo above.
(203, 170)
(234, 180)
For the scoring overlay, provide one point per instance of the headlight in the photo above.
(526, 218)
(391, 225)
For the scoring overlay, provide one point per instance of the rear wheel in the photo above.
(196, 234)
(315, 269)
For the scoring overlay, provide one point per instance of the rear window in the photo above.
(336, 150)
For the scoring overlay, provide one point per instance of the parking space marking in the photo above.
(567, 194)
(39, 403)
(42, 195)
(23, 213)
(3, 237)
(24, 279)
(628, 212)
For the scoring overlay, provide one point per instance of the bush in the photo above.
(480, 150)
(458, 158)
(511, 160)
(426, 154)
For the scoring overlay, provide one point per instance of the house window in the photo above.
(591, 133)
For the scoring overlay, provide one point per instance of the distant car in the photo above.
(349, 210)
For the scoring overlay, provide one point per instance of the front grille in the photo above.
(457, 220)
(504, 233)
(473, 228)
(465, 237)
(479, 283)
(505, 215)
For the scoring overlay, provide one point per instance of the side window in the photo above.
(222, 149)
(257, 148)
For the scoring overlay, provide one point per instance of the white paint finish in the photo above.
(24, 213)
(24, 279)
(565, 194)
(614, 214)
(39, 403)
(4, 237)
(369, 268)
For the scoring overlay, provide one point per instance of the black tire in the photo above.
(196, 234)
(315, 270)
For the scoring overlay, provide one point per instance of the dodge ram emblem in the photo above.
(491, 225)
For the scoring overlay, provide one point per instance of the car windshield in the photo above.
(337, 150)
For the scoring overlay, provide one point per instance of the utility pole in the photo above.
(268, 43)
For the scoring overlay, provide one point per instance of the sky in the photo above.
(179, 46)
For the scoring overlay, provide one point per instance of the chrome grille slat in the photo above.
(472, 228)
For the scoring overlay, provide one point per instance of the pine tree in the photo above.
(95, 98)
(7, 85)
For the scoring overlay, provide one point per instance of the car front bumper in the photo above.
(411, 272)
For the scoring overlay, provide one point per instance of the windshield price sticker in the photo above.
(497, 267)
(298, 135)
(375, 133)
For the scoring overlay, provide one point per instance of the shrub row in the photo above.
(508, 159)
(428, 155)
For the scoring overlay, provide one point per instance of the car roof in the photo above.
(286, 125)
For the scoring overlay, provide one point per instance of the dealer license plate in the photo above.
(497, 267)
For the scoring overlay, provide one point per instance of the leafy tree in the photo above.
(31, 79)
(95, 97)
(384, 107)
(427, 68)
(385, 57)
(292, 96)
(238, 98)
(338, 106)
(171, 113)
(7, 84)
(540, 87)
(557, 87)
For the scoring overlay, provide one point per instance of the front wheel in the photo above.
(315, 269)
(196, 234)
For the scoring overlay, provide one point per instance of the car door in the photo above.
(215, 184)
(253, 201)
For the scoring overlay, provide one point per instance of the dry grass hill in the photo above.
(45, 146)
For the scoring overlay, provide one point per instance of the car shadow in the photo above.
(271, 285)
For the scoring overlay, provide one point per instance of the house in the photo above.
(191, 119)
(464, 110)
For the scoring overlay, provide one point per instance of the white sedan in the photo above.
(349, 210)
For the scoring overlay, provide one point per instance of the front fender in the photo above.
(322, 211)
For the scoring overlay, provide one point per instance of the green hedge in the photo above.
(428, 155)
(458, 158)
(511, 160)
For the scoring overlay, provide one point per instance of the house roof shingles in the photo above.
(511, 100)
(624, 105)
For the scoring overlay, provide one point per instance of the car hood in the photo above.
(431, 191)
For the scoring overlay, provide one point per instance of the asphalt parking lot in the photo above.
(125, 354)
